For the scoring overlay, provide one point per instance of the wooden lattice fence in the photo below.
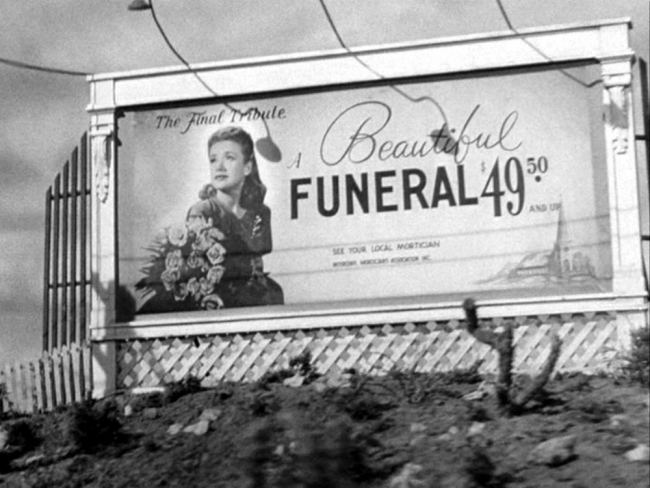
(588, 344)
(60, 377)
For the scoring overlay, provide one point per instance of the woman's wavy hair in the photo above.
(253, 191)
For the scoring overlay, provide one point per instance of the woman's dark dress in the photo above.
(244, 283)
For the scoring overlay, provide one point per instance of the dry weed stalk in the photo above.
(502, 342)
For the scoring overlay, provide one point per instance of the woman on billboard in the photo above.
(215, 259)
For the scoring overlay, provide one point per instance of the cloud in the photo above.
(42, 122)
(20, 304)
(21, 197)
(20, 287)
(21, 335)
(16, 219)
(15, 169)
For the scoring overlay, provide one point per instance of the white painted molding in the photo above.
(101, 162)
(576, 42)
(288, 317)
(104, 369)
(103, 219)
(622, 175)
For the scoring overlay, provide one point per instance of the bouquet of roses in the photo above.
(187, 264)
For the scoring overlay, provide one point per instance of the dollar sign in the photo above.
(483, 167)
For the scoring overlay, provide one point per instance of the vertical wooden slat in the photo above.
(18, 387)
(57, 390)
(83, 243)
(87, 370)
(61, 373)
(77, 378)
(29, 387)
(46, 271)
(13, 390)
(4, 403)
(9, 383)
(645, 106)
(645, 110)
(74, 196)
(48, 379)
(27, 392)
(67, 373)
(81, 371)
(57, 394)
(65, 195)
(19, 382)
(55, 263)
(37, 372)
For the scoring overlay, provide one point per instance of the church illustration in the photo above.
(561, 264)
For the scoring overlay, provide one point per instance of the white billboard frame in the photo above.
(604, 42)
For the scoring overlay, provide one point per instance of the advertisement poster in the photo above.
(491, 187)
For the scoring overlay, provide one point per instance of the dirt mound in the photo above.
(398, 430)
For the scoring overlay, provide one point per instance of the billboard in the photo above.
(432, 189)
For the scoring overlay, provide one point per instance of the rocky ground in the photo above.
(400, 430)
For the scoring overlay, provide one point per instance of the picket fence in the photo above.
(60, 377)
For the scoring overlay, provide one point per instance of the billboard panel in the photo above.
(493, 186)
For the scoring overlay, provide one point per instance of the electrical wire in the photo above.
(375, 72)
(44, 69)
(176, 53)
(196, 75)
(504, 14)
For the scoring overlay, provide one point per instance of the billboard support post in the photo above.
(103, 252)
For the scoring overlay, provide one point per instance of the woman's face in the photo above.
(228, 166)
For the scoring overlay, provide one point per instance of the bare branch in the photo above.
(482, 335)
(503, 343)
(540, 380)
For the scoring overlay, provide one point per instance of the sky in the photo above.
(42, 116)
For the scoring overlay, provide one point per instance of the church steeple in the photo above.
(560, 262)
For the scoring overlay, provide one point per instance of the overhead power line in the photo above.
(375, 72)
(150, 6)
(176, 53)
(504, 14)
(44, 69)
(266, 146)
